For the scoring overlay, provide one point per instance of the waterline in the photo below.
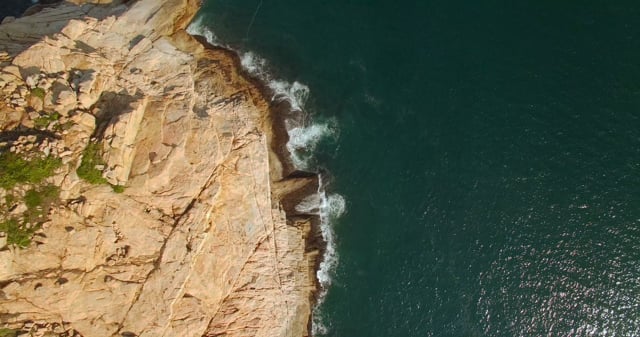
(304, 136)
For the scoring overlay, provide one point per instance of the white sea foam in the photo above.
(198, 28)
(332, 206)
(303, 140)
(310, 204)
(253, 64)
(296, 93)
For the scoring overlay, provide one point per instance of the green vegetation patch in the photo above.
(5, 332)
(32, 198)
(91, 157)
(38, 201)
(9, 200)
(117, 188)
(38, 92)
(42, 196)
(17, 234)
(64, 126)
(14, 169)
(43, 122)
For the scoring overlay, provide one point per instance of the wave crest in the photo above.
(304, 140)
(332, 206)
(198, 28)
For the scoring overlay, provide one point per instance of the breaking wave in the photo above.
(332, 206)
(198, 28)
(295, 93)
(303, 140)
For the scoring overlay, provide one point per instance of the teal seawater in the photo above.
(489, 153)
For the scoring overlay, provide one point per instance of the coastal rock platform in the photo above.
(185, 231)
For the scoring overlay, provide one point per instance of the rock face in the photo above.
(199, 243)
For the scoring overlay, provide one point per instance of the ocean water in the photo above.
(14, 7)
(487, 153)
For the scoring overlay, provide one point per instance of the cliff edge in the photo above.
(141, 182)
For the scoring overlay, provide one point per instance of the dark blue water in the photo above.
(14, 8)
(489, 153)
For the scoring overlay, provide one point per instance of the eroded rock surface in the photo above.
(199, 243)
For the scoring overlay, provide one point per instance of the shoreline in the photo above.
(282, 167)
(289, 184)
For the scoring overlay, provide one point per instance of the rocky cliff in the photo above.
(144, 189)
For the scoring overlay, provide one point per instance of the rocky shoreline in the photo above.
(171, 195)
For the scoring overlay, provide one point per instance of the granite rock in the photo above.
(198, 244)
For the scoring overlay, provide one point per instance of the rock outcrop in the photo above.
(198, 242)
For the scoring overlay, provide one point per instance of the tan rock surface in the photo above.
(198, 244)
